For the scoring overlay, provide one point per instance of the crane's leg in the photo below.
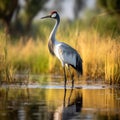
(65, 81)
(64, 100)
(71, 77)
(70, 96)
(72, 84)
(65, 78)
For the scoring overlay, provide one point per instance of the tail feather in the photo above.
(78, 67)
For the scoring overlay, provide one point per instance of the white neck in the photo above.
(52, 40)
(53, 33)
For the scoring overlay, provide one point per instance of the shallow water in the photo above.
(51, 102)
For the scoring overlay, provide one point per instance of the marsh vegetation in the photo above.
(99, 50)
(23, 40)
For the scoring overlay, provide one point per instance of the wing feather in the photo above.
(68, 55)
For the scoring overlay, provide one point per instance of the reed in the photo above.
(32, 56)
(101, 55)
(5, 69)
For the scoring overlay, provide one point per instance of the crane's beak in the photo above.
(48, 16)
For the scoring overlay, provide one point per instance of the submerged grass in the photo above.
(101, 55)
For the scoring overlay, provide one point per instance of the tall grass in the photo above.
(31, 56)
(101, 55)
(4, 65)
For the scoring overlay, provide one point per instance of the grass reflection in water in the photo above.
(38, 103)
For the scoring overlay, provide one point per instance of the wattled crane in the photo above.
(65, 53)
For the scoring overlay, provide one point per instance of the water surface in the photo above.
(50, 102)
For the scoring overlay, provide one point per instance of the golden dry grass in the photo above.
(101, 55)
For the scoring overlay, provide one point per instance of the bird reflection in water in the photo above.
(77, 100)
(73, 106)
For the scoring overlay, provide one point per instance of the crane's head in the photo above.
(53, 15)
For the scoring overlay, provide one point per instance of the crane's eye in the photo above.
(53, 15)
